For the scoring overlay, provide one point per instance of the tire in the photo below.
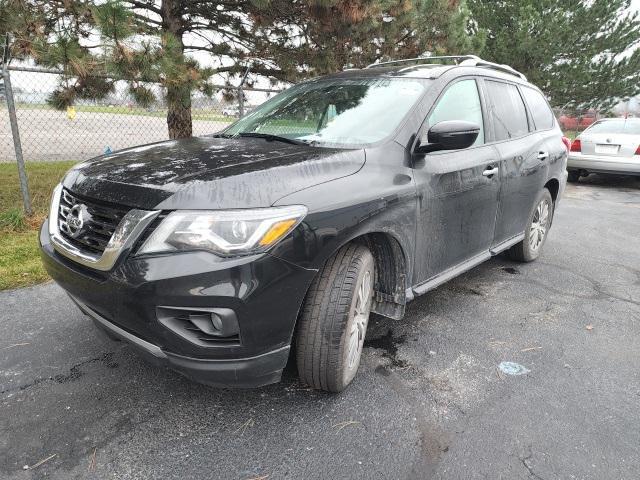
(334, 318)
(574, 176)
(529, 249)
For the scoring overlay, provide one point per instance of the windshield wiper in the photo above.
(271, 138)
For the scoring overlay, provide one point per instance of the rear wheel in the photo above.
(334, 319)
(536, 231)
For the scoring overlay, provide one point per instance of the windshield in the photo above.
(621, 125)
(335, 112)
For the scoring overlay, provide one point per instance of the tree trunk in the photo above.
(179, 120)
(179, 112)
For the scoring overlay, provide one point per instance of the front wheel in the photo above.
(334, 319)
(536, 231)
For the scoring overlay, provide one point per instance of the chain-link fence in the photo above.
(93, 127)
(573, 121)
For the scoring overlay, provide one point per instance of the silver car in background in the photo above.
(610, 145)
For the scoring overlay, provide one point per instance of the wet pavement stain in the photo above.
(389, 344)
(465, 290)
(511, 270)
(75, 372)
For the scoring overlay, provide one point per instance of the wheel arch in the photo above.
(553, 185)
(391, 273)
(392, 270)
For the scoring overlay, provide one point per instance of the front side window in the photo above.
(339, 112)
(507, 110)
(539, 108)
(460, 101)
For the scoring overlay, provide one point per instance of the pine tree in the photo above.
(144, 41)
(324, 36)
(579, 52)
(140, 41)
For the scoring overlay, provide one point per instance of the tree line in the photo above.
(581, 53)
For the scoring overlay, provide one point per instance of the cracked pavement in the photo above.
(429, 400)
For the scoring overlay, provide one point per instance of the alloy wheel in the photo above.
(539, 225)
(358, 328)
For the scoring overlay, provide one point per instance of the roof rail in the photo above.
(460, 60)
(424, 59)
(478, 62)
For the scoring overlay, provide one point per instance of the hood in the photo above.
(209, 173)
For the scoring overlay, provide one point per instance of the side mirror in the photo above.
(449, 135)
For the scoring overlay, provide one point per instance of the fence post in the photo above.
(240, 102)
(241, 93)
(13, 119)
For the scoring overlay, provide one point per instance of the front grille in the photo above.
(99, 221)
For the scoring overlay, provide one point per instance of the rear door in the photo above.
(457, 189)
(546, 125)
(523, 158)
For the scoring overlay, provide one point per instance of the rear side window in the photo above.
(507, 110)
(461, 101)
(540, 111)
(618, 125)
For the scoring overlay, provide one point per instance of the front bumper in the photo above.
(240, 372)
(605, 164)
(265, 293)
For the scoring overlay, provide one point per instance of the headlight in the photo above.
(225, 232)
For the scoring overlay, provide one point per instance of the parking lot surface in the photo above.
(430, 400)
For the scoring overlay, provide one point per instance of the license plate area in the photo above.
(607, 149)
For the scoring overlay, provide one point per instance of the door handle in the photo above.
(543, 155)
(490, 171)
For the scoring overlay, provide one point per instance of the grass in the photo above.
(571, 134)
(20, 263)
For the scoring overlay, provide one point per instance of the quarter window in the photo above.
(461, 101)
(539, 108)
(507, 110)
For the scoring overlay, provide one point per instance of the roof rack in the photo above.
(460, 60)
(424, 59)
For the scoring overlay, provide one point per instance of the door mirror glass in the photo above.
(449, 135)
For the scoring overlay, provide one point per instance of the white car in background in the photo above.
(610, 145)
(235, 111)
(231, 112)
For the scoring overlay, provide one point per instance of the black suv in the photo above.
(344, 195)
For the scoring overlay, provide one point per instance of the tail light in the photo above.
(575, 145)
(567, 143)
(638, 150)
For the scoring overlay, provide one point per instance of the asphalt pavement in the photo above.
(430, 401)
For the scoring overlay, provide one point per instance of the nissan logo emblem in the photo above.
(75, 219)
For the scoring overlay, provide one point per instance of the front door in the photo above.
(457, 190)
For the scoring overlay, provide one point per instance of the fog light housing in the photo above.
(216, 322)
(205, 327)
